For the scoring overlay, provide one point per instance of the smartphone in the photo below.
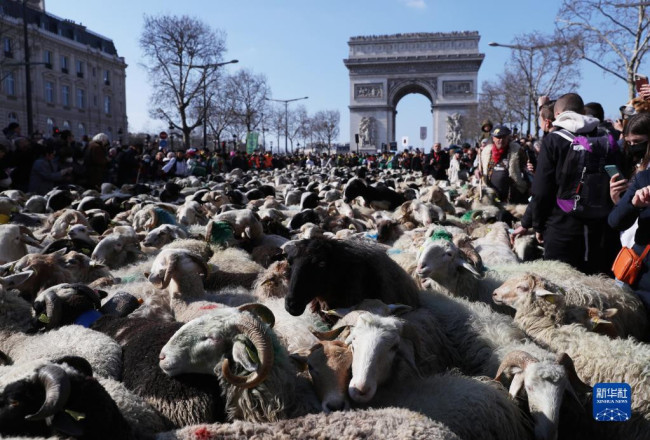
(639, 80)
(612, 170)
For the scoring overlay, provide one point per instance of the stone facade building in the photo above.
(77, 77)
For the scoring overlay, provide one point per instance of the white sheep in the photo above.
(382, 423)
(13, 242)
(243, 222)
(597, 358)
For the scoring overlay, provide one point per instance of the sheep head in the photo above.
(63, 304)
(545, 383)
(163, 235)
(201, 345)
(170, 264)
(376, 342)
(441, 260)
(528, 286)
(329, 365)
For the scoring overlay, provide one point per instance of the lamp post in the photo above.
(531, 92)
(234, 142)
(286, 117)
(529, 74)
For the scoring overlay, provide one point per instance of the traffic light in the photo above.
(55, 131)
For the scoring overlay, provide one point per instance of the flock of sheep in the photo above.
(325, 304)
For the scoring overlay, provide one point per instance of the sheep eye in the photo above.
(322, 264)
(14, 403)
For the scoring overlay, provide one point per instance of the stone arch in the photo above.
(384, 68)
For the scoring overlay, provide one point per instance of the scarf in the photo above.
(497, 154)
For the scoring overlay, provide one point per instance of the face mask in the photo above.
(637, 149)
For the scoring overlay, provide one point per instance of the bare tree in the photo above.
(274, 117)
(247, 93)
(176, 51)
(299, 122)
(221, 113)
(326, 125)
(613, 35)
(504, 101)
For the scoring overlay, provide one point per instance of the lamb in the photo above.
(435, 194)
(320, 262)
(629, 318)
(58, 224)
(273, 282)
(13, 242)
(152, 216)
(596, 357)
(266, 392)
(393, 423)
(76, 403)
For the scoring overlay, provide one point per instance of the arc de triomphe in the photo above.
(385, 68)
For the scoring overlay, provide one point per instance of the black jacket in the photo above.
(624, 213)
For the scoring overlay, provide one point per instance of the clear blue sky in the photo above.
(300, 44)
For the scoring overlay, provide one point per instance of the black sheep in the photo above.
(181, 400)
(380, 197)
(333, 273)
(306, 216)
(61, 399)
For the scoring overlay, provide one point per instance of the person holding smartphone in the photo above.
(636, 156)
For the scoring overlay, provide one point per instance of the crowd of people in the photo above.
(520, 169)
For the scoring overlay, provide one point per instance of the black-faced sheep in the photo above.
(334, 274)
(380, 197)
(50, 398)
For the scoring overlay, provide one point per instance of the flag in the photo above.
(251, 142)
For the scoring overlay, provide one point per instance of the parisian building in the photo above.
(77, 77)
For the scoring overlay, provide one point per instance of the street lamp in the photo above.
(531, 50)
(286, 117)
(531, 93)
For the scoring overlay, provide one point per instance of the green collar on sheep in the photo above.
(441, 234)
(220, 232)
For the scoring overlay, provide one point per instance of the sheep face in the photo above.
(199, 345)
(329, 364)
(171, 263)
(514, 290)
(440, 261)
(375, 342)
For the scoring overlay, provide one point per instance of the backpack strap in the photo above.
(566, 134)
(645, 252)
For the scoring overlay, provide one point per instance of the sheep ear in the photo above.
(461, 262)
(300, 361)
(16, 280)
(60, 252)
(550, 297)
(7, 268)
(399, 309)
(608, 313)
(406, 351)
(245, 356)
(517, 381)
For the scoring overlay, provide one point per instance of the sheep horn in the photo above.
(578, 385)
(516, 358)
(261, 339)
(88, 293)
(331, 334)
(53, 309)
(259, 310)
(57, 390)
